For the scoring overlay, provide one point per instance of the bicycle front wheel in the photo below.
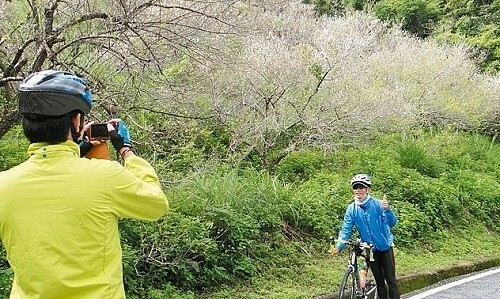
(348, 285)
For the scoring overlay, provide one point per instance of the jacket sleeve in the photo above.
(346, 231)
(390, 217)
(138, 192)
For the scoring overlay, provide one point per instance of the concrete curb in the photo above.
(416, 281)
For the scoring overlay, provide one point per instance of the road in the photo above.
(480, 285)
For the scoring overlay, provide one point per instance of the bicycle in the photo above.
(351, 286)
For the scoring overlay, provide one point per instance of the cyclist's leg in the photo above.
(389, 269)
(378, 273)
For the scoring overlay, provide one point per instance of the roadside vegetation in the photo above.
(255, 116)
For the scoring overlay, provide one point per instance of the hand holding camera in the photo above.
(119, 136)
(114, 130)
(84, 140)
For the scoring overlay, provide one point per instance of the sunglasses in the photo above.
(358, 186)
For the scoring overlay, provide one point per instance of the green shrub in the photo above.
(13, 148)
(315, 208)
(177, 250)
(478, 194)
(300, 166)
(414, 156)
(416, 16)
(6, 275)
(222, 228)
(410, 226)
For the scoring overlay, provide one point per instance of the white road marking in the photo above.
(453, 284)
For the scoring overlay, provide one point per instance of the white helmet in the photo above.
(361, 179)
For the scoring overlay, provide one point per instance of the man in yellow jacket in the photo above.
(58, 212)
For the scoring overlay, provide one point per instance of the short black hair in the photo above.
(50, 129)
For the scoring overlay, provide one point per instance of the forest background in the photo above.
(257, 113)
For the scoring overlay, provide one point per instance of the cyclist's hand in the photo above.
(333, 250)
(83, 140)
(119, 134)
(385, 202)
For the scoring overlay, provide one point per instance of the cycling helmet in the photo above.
(362, 179)
(53, 93)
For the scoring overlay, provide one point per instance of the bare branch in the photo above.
(9, 70)
(169, 114)
(79, 20)
(5, 80)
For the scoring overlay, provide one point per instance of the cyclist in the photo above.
(58, 212)
(373, 218)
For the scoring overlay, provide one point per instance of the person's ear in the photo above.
(77, 122)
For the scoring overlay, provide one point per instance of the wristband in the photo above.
(125, 151)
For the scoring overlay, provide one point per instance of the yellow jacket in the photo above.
(59, 220)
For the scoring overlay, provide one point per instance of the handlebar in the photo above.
(356, 244)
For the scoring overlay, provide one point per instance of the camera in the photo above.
(98, 131)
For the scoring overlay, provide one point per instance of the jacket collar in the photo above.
(45, 150)
(363, 205)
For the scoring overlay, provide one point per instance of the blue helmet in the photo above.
(53, 93)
